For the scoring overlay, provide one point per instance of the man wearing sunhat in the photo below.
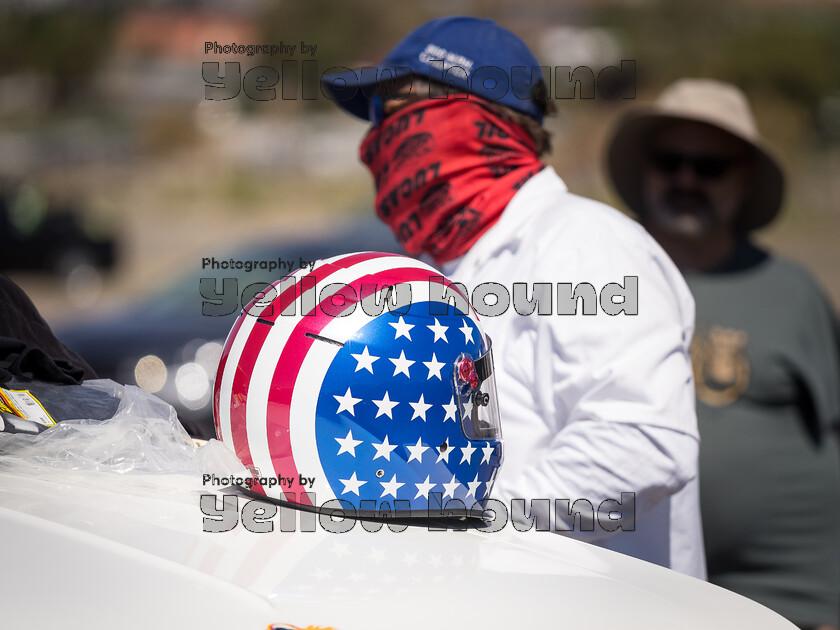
(597, 409)
(766, 350)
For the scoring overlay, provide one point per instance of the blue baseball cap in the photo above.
(471, 55)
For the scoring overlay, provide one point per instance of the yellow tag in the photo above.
(4, 408)
(23, 404)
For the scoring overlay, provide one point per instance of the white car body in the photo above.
(130, 552)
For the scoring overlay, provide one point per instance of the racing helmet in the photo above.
(365, 380)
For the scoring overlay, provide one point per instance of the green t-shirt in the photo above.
(766, 355)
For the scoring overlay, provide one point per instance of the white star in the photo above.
(450, 410)
(468, 407)
(376, 554)
(321, 573)
(473, 487)
(424, 488)
(435, 559)
(347, 402)
(410, 558)
(416, 451)
(402, 328)
(385, 406)
(340, 549)
(488, 451)
(467, 452)
(451, 487)
(443, 452)
(467, 330)
(439, 330)
(434, 367)
(352, 484)
(391, 487)
(364, 361)
(348, 444)
(420, 408)
(401, 364)
(384, 449)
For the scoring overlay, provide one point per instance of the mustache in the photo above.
(677, 198)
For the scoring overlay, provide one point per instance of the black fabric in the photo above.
(28, 348)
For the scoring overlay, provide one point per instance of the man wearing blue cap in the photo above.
(597, 407)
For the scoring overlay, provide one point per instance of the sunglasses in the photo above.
(704, 166)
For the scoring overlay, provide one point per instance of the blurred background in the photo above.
(117, 178)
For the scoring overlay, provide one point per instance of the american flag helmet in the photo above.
(365, 380)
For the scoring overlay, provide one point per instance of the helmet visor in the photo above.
(474, 386)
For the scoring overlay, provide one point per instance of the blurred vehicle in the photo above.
(170, 342)
(38, 235)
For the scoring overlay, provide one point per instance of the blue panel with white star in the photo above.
(387, 425)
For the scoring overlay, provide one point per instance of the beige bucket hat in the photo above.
(701, 100)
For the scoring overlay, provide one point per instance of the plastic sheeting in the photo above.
(143, 439)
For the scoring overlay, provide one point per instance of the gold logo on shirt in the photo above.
(721, 366)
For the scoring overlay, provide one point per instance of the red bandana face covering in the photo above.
(444, 171)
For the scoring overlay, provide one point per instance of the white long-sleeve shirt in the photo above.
(593, 406)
